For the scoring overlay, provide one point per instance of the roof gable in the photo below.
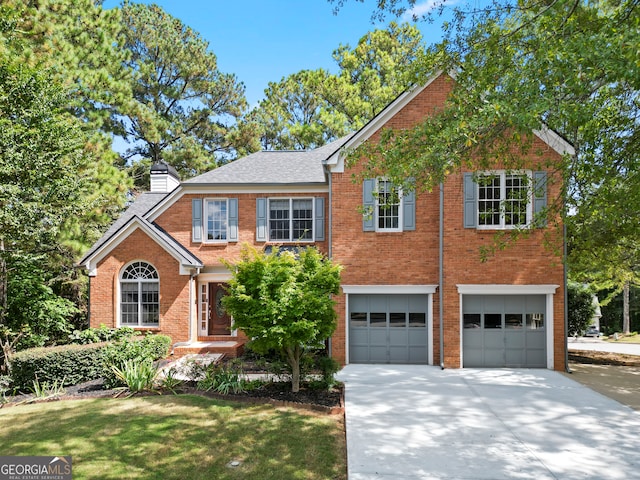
(337, 158)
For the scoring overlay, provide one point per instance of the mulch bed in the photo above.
(275, 393)
(603, 358)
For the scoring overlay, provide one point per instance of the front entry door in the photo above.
(219, 321)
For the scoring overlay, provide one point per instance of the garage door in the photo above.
(388, 328)
(504, 331)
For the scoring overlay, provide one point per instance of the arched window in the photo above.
(139, 295)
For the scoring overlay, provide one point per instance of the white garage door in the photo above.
(504, 331)
(388, 328)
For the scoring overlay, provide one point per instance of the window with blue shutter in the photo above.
(196, 220)
(233, 219)
(368, 204)
(319, 219)
(261, 220)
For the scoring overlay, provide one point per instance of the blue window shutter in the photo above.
(470, 201)
(232, 235)
(261, 220)
(369, 205)
(409, 211)
(318, 225)
(539, 197)
(196, 220)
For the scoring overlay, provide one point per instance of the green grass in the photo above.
(631, 338)
(177, 437)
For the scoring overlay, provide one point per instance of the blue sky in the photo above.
(261, 41)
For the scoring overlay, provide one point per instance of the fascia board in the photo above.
(495, 289)
(122, 234)
(336, 161)
(555, 141)
(389, 289)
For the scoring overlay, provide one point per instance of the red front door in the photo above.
(219, 321)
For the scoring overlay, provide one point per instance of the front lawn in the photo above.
(178, 436)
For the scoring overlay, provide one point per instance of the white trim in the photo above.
(137, 282)
(503, 198)
(377, 206)
(547, 290)
(555, 141)
(336, 161)
(496, 289)
(389, 289)
(291, 220)
(427, 290)
(120, 236)
(205, 221)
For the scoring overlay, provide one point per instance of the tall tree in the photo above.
(184, 107)
(313, 107)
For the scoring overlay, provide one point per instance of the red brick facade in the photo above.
(368, 257)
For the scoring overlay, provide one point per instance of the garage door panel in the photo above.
(508, 330)
(395, 330)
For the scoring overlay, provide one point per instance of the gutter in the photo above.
(441, 274)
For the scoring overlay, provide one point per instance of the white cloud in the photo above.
(421, 9)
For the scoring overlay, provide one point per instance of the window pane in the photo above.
(302, 219)
(388, 205)
(216, 211)
(279, 220)
(489, 200)
(513, 320)
(378, 319)
(397, 319)
(535, 321)
(358, 319)
(515, 203)
(471, 320)
(418, 319)
(492, 320)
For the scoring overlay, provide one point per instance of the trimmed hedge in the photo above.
(72, 364)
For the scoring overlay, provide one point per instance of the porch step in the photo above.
(229, 348)
(220, 338)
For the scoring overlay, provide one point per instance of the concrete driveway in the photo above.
(421, 422)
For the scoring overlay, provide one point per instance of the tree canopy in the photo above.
(282, 301)
(184, 108)
(313, 107)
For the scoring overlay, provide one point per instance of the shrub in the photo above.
(152, 347)
(102, 334)
(221, 379)
(65, 364)
(138, 375)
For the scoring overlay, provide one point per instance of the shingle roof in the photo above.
(273, 168)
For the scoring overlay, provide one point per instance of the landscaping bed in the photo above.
(603, 358)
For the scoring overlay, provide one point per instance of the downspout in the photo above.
(441, 275)
(566, 299)
(330, 240)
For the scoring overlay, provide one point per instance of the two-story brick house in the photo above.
(410, 262)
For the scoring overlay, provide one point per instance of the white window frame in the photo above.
(503, 174)
(377, 207)
(291, 219)
(139, 282)
(205, 220)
